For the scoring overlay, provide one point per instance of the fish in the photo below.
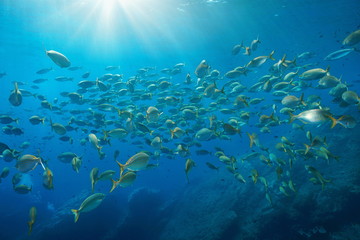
(111, 68)
(106, 175)
(314, 74)
(66, 157)
(189, 164)
(136, 163)
(89, 204)
(44, 70)
(212, 166)
(283, 191)
(58, 128)
(4, 172)
(74, 68)
(15, 97)
(258, 61)
(237, 48)
(93, 177)
(116, 133)
(202, 69)
(231, 130)
(76, 163)
(352, 39)
(350, 97)
(58, 58)
(177, 132)
(204, 134)
(156, 143)
(40, 80)
(3, 147)
(254, 44)
(339, 54)
(22, 188)
(125, 180)
(5, 119)
(27, 163)
(314, 116)
(293, 101)
(328, 81)
(254, 175)
(85, 75)
(32, 216)
(317, 175)
(95, 142)
(48, 179)
(347, 121)
(239, 177)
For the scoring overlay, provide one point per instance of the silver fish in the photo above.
(339, 54)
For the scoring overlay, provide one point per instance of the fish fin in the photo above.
(327, 69)
(113, 185)
(41, 163)
(271, 55)
(44, 48)
(76, 213)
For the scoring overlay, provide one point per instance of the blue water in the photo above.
(161, 204)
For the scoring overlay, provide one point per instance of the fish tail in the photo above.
(114, 184)
(302, 99)
(271, 55)
(333, 121)
(172, 134)
(307, 148)
(187, 178)
(272, 116)
(122, 167)
(99, 148)
(30, 224)
(292, 117)
(251, 137)
(76, 213)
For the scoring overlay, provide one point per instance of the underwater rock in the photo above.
(203, 211)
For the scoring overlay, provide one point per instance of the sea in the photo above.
(229, 118)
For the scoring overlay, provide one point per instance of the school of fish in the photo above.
(205, 105)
